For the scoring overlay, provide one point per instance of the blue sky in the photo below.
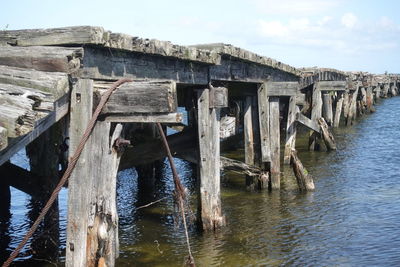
(346, 35)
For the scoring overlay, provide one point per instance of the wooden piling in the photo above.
(249, 149)
(210, 210)
(338, 110)
(290, 129)
(327, 108)
(275, 142)
(303, 178)
(316, 113)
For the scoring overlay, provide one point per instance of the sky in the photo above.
(350, 35)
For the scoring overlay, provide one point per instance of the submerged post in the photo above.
(210, 210)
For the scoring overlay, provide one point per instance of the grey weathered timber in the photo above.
(290, 129)
(327, 136)
(42, 58)
(209, 163)
(55, 83)
(303, 178)
(3, 138)
(54, 36)
(275, 142)
(282, 88)
(316, 113)
(143, 97)
(249, 154)
(102, 223)
(338, 109)
(310, 124)
(352, 107)
(346, 105)
(218, 97)
(327, 108)
(79, 181)
(370, 99)
(60, 110)
(228, 164)
(146, 118)
(263, 115)
(332, 85)
(111, 64)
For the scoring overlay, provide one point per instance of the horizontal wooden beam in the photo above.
(60, 110)
(282, 88)
(142, 97)
(21, 179)
(307, 122)
(147, 118)
(332, 85)
(42, 58)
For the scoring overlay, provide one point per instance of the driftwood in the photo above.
(303, 178)
(327, 135)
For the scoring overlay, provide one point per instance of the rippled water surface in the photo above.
(352, 219)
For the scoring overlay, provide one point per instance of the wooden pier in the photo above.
(51, 80)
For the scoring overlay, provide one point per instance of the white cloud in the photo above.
(349, 20)
(294, 7)
(273, 28)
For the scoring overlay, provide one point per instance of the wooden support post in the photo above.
(290, 129)
(249, 140)
(338, 111)
(210, 210)
(377, 92)
(370, 100)
(346, 105)
(275, 142)
(263, 116)
(327, 135)
(102, 232)
(352, 108)
(5, 219)
(79, 182)
(327, 108)
(316, 113)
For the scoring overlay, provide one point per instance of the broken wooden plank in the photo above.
(316, 113)
(282, 88)
(332, 85)
(303, 178)
(60, 110)
(54, 36)
(55, 83)
(142, 97)
(263, 114)
(327, 135)
(175, 118)
(312, 125)
(42, 58)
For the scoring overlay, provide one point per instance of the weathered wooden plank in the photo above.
(55, 83)
(263, 114)
(327, 108)
(147, 118)
(109, 64)
(143, 97)
(332, 85)
(209, 163)
(60, 110)
(303, 178)
(352, 107)
(275, 142)
(54, 36)
(78, 188)
(3, 138)
(312, 125)
(290, 129)
(282, 88)
(338, 110)
(42, 58)
(249, 149)
(346, 105)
